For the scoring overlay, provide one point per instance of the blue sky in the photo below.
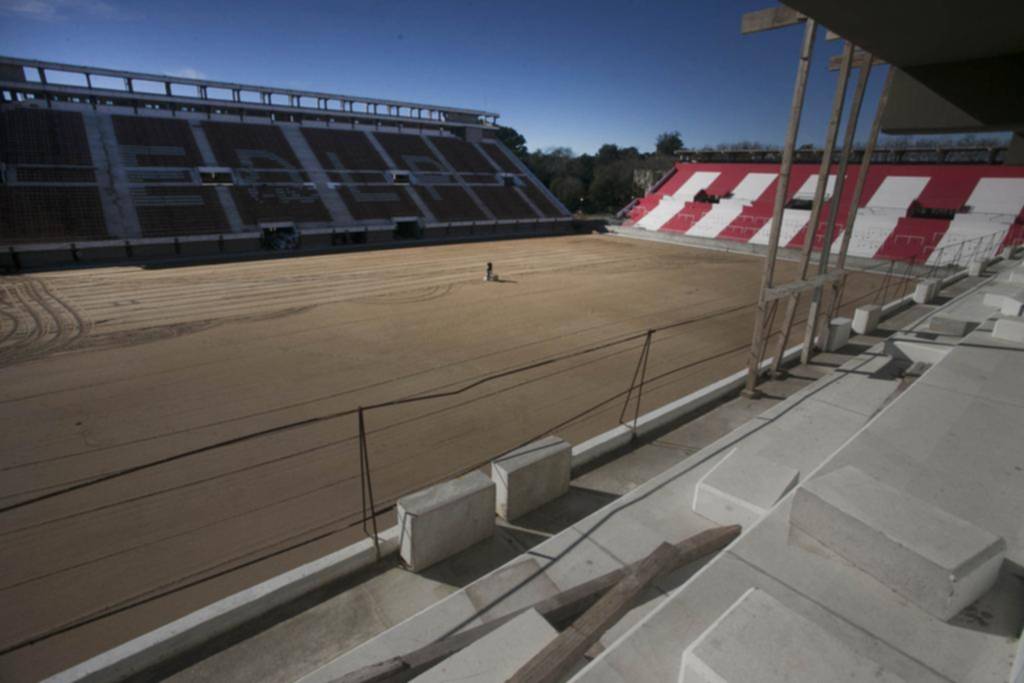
(566, 73)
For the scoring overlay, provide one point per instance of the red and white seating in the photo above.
(977, 201)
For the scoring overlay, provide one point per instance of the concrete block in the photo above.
(997, 296)
(1009, 329)
(1012, 307)
(760, 639)
(838, 333)
(866, 318)
(976, 267)
(948, 326)
(925, 291)
(530, 476)
(939, 562)
(498, 655)
(742, 488)
(444, 519)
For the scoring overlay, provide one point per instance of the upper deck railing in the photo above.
(46, 79)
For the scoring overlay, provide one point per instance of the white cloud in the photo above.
(186, 72)
(59, 10)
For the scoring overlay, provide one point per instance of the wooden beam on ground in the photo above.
(557, 608)
(769, 19)
(559, 657)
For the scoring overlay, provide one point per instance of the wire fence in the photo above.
(381, 451)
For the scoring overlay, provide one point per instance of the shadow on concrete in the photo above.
(1000, 612)
(565, 510)
(464, 568)
(252, 628)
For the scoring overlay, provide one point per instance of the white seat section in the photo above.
(879, 217)
(995, 203)
(672, 204)
(897, 193)
(726, 211)
(793, 220)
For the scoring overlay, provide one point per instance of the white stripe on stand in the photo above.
(672, 204)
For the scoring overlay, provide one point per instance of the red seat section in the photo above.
(888, 193)
(913, 239)
(50, 194)
(504, 202)
(461, 155)
(160, 155)
(449, 203)
(498, 156)
(344, 150)
(378, 202)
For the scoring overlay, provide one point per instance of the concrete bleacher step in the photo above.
(936, 560)
(741, 488)
(1009, 329)
(1009, 299)
(760, 639)
(496, 656)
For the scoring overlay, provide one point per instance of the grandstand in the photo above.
(106, 164)
(905, 213)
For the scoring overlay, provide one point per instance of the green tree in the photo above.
(570, 190)
(512, 139)
(669, 143)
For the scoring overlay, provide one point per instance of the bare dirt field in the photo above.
(117, 515)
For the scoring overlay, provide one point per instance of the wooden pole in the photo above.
(833, 209)
(557, 608)
(760, 334)
(819, 198)
(838, 286)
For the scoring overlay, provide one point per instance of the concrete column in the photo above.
(309, 163)
(227, 202)
(465, 186)
(111, 177)
(420, 204)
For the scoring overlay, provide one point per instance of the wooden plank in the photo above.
(558, 658)
(860, 59)
(768, 19)
(557, 608)
(791, 288)
(766, 311)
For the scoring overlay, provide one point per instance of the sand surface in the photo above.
(109, 368)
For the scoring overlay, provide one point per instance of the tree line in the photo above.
(594, 183)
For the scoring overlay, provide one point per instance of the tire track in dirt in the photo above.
(42, 322)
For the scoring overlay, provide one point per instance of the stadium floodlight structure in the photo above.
(159, 91)
(770, 295)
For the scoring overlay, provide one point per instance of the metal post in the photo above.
(760, 338)
(833, 209)
(819, 198)
(858, 189)
(365, 484)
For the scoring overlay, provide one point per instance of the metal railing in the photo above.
(139, 87)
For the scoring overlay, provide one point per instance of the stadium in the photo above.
(305, 386)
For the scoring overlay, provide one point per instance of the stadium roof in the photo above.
(960, 64)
